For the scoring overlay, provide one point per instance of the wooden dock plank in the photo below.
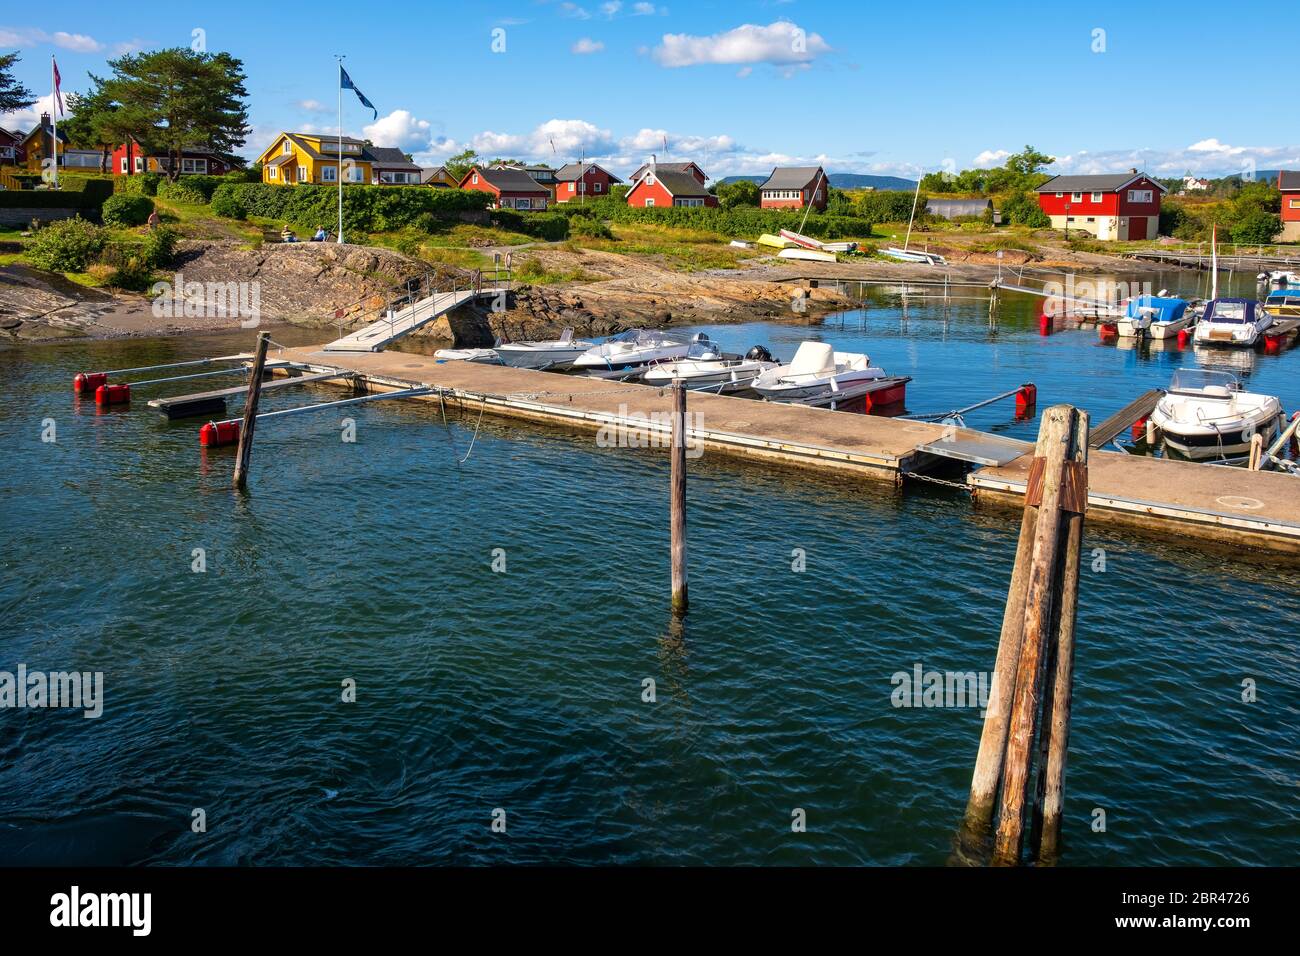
(175, 406)
(1113, 427)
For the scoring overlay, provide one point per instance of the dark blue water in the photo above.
(522, 690)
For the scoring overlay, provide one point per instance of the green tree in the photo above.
(1028, 162)
(460, 164)
(178, 98)
(13, 95)
(743, 192)
(1257, 226)
(96, 121)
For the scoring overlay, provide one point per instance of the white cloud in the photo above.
(990, 158)
(1207, 157)
(399, 128)
(313, 106)
(1212, 145)
(611, 8)
(647, 10)
(781, 43)
(26, 37)
(77, 42)
(574, 11)
(27, 120)
(586, 45)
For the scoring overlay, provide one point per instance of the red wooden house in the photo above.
(573, 181)
(510, 188)
(131, 158)
(11, 148)
(668, 185)
(1122, 206)
(794, 187)
(1288, 181)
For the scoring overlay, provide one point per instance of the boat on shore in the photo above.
(1206, 415)
(808, 255)
(818, 375)
(556, 354)
(1232, 322)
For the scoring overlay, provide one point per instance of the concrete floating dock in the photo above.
(1222, 504)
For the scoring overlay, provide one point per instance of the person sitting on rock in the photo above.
(321, 235)
(287, 235)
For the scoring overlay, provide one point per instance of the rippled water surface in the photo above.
(523, 690)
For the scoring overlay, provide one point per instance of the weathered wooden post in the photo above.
(245, 452)
(677, 497)
(1045, 839)
(1046, 487)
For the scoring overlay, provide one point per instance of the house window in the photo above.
(288, 148)
(123, 165)
(1076, 197)
(302, 174)
(650, 180)
(139, 164)
(1293, 204)
(650, 201)
(1096, 197)
(1139, 195)
(1092, 219)
(1060, 195)
(474, 179)
(272, 172)
(194, 165)
(355, 174)
(598, 187)
(572, 187)
(329, 174)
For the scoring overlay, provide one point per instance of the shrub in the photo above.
(141, 184)
(190, 189)
(226, 203)
(365, 208)
(1257, 226)
(590, 228)
(122, 209)
(159, 248)
(66, 246)
(1022, 209)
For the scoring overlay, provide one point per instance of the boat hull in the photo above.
(540, 358)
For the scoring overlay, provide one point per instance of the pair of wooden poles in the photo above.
(1029, 699)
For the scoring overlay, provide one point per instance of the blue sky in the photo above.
(738, 86)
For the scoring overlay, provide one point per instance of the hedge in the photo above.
(740, 221)
(84, 194)
(551, 227)
(122, 209)
(191, 189)
(365, 208)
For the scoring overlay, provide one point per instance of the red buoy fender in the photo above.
(1139, 429)
(1026, 399)
(218, 434)
(1108, 330)
(87, 383)
(112, 394)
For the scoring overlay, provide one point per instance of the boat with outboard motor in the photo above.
(555, 354)
(1238, 322)
(818, 375)
(635, 349)
(713, 371)
(1206, 415)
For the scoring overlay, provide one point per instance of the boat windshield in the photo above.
(650, 337)
(1199, 379)
(1221, 311)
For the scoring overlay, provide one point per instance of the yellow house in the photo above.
(438, 177)
(294, 158)
(39, 144)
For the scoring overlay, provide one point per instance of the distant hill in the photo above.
(846, 181)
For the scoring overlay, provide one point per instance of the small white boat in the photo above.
(556, 354)
(485, 356)
(809, 255)
(911, 255)
(717, 372)
(1237, 322)
(1280, 279)
(741, 244)
(636, 348)
(839, 247)
(818, 375)
(1206, 415)
(799, 240)
(1157, 316)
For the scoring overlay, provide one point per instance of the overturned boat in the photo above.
(1206, 415)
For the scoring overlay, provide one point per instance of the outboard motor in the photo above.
(759, 354)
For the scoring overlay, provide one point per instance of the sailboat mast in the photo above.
(915, 199)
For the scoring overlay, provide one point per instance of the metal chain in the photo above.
(944, 482)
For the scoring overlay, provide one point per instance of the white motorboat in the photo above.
(1157, 316)
(1280, 279)
(818, 375)
(485, 356)
(555, 354)
(911, 255)
(636, 348)
(1206, 415)
(1237, 322)
(716, 372)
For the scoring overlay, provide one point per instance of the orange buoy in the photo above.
(86, 383)
(1183, 338)
(112, 394)
(1108, 330)
(1044, 324)
(1026, 399)
(218, 434)
(1139, 429)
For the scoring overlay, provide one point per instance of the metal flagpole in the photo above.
(54, 115)
(339, 168)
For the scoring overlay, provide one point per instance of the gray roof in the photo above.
(680, 184)
(952, 208)
(792, 177)
(570, 172)
(390, 157)
(1288, 179)
(1105, 183)
(511, 180)
(667, 167)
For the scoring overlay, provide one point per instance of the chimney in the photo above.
(1133, 171)
(45, 119)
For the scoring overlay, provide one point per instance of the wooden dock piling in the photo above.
(244, 454)
(1040, 604)
(677, 497)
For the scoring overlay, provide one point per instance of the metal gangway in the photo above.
(426, 298)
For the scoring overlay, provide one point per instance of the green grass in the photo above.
(683, 250)
(532, 271)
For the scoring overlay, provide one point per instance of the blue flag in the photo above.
(346, 82)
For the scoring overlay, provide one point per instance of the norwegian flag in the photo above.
(58, 83)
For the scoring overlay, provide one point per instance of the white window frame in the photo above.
(597, 185)
(1096, 197)
(272, 172)
(1076, 197)
(1060, 195)
(1140, 195)
(139, 164)
(649, 201)
(474, 179)
(329, 174)
(302, 174)
(288, 148)
(197, 166)
(573, 187)
(354, 174)
(1293, 204)
(124, 166)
